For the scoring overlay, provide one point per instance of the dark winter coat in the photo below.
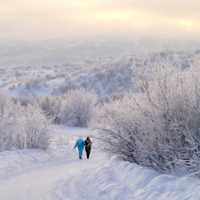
(88, 145)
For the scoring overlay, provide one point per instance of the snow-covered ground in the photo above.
(58, 174)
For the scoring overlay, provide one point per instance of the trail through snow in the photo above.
(45, 181)
(49, 179)
(58, 174)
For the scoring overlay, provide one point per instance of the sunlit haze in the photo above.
(59, 19)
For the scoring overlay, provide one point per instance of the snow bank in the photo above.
(123, 180)
(11, 161)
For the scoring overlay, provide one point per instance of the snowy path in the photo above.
(45, 181)
(58, 174)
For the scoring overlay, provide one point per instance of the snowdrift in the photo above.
(124, 180)
(12, 161)
(118, 180)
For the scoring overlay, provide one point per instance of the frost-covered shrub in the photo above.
(69, 85)
(12, 86)
(51, 105)
(112, 97)
(24, 127)
(5, 101)
(157, 126)
(99, 75)
(84, 84)
(50, 76)
(34, 83)
(36, 128)
(23, 99)
(78, 107)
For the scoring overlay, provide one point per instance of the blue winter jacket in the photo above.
(79, 144)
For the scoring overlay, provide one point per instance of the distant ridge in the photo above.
(52, 52)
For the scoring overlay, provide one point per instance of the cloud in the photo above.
(161, 7)
(45, 19)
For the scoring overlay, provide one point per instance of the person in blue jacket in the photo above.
(80, 144)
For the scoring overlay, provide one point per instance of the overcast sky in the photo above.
(58, 19)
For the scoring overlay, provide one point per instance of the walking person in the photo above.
(80, 144)
(88, 145)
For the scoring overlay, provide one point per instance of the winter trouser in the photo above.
(80, 151)
(88, 150)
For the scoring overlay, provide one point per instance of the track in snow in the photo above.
(48, 181)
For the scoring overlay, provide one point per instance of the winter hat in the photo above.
(80, 138)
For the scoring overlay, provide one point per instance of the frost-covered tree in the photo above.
(5, 102)
(78, 107)
(157, 125)
(23, 127)
(23, 99)
(37, 128)
(68, 85)
(51, 105)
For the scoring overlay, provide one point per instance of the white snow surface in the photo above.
(57, 173)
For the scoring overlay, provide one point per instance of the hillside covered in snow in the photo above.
(138, 100)
(53, 52)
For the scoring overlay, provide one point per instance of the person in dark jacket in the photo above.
(88, 145)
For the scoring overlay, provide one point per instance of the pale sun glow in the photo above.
(115, 15)
(188, 24)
